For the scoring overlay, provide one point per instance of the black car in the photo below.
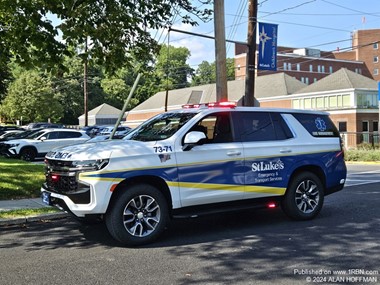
(3, 129)
(22, 135)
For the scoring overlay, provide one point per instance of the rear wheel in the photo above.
(137, 216)
(304, 197)
(28, 154)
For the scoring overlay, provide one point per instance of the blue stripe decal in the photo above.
(268, 171)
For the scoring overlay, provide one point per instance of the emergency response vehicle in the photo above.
(198, 160)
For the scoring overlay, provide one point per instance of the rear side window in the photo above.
(261, 126)
(69, 135)
(317, 125)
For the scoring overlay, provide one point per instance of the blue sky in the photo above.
(322, 24)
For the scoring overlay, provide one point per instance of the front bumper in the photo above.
(7, 150)
(65, 189)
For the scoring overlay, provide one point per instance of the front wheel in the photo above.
(304, 197)
(137, 216)
(28, 154)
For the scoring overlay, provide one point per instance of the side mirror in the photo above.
(43, 139)
(192, 139)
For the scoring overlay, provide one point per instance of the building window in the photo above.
(285, 65)
(303, 79)
(367, 101)
(289, 66)
(346, 100)
(376, 71)
(311, 68)
(375, 45)
(319, 68)
(331, 69)
(375, 125)
(375, 59)
(323, 69)
(342, 126)
(307, 80)
(333, 102)
(307, 103)
(320, 104)
(365, 126)
(298, 67)
(315, 80)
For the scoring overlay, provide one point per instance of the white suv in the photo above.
(197, 161)
(41, 142)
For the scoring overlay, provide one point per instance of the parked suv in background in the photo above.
(41, 142)
(46, 125)
(195, 161)
(3, 129)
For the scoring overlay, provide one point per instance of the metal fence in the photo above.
(360, 139)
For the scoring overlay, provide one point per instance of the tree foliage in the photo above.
(206, 72)
(32, 98)
(171, 67)
(116, 30)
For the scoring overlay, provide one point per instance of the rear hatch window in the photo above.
(317, 125)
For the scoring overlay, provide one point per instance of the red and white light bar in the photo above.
(225, 104)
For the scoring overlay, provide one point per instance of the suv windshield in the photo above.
(160, 127)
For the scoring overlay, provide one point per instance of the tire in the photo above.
(138, 216)
(28, 154)
(304, 197)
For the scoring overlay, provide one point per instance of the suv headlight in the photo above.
(93, 164)
(13, 145)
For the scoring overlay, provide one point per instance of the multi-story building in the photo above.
(305, 64)
(365, 48)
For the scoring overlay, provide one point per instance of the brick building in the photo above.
(365, 48)
(305, 64)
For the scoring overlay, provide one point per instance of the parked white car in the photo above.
(39, 144)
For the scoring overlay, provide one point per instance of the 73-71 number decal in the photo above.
(161, 149)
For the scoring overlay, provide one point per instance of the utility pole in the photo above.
(249, 97)
(85, 86)
(220, 51)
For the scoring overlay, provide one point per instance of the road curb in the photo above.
(31, 219)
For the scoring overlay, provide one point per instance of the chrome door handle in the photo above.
(285, 150)
(233, 153)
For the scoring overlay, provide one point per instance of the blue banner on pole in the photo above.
(267, 46)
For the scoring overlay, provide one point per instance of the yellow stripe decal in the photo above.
(229, 187)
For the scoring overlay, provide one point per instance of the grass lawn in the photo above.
(20, 179)
(27, 212)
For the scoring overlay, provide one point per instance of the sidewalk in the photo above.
(36, 203)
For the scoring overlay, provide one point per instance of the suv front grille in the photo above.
(62, 178)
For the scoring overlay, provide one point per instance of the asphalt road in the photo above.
(250, 247)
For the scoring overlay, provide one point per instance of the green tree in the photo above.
(5, 78)
(206, 72)
(116, 30)
(171, 67)
(68, 86)
(31, 98)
